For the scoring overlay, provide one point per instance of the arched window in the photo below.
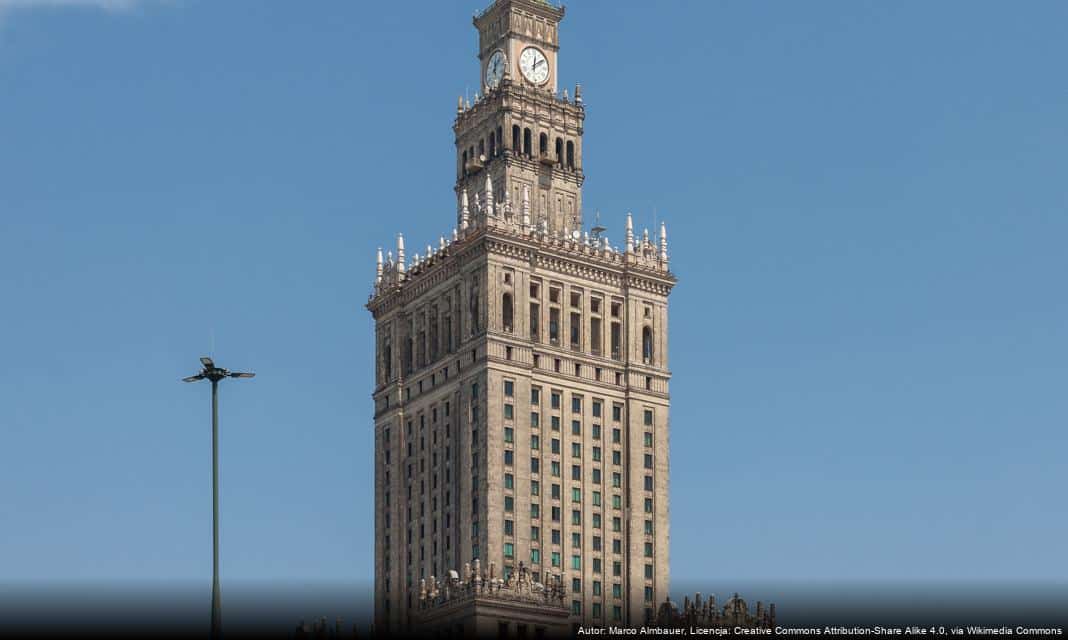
(500, 140)
(559, 151)
(647, 345)
(515, 138)
(570, 154)
(481, 149)
(493, 145)
(506, 312)
(526, 142)
(543, 145)
(463, 165)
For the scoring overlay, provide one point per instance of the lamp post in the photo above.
(215, 374)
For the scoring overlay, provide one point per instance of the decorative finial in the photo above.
(489, 195)
(441, 243)
(429, 252)
(578, 93)
(459, 105)
(525, 206)
(629, 236)
(663, 242)
(464, 215)
(400, 253)
(455, 235)
(566, 97)
(378, 267)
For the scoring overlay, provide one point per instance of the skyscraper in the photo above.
(521, 372)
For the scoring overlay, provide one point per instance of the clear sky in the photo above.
(867, 206)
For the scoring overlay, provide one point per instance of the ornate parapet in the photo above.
(475, 583)
(706, 613)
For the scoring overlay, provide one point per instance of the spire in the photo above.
(489, 195)
(429, 252)
(460, 105)
(441, 243)
(526, 206)
(463, 210)
(578, 93)
(378, 267)
(645, 236)
(629, 238)
(400, 253)
(663, 242)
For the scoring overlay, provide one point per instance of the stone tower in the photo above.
(521, 371)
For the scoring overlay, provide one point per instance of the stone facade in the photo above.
(521, 372)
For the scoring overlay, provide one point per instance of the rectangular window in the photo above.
(509, 434)
(595, 336)
(535, 320)
(576, 540)
(509, 481)
(576, 450)
(556, 558)
(554, 325)
(535, 420)
(576, 404)
(535, 510)
(596, 521)
(509, 550)
(648, 417)
(576, 495)
(617, 340)
(596, 454)
(508, 455)
(617, 436)
(576, 562)
(555, 399)
(509, 412)
(648, 483)
(555, 514)
(554, 469)
(617, 589)
(576, 428)
(617, 524)
(596, 431)
(648, 594)
(535, 533)
(596, 476)
(534, 465)
(617, 412)
(509, 503)
(555, 422)
(555, 491)
(556, 536)
(576, 517)
(535, 442)
(535, 556)
(576, 331)
(617, 480)
(509, 527)
(648, 439)
(617, 501)
(576, 472)
(648, 549)
(648, 505)
(648, 461)
(649, 527)
(535, 488)
(617, 457)
(535, 395)
(509, 388)
(648, 572)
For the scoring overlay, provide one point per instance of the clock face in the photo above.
(495, 69)
(534, 66)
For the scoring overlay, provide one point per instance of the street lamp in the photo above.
(215, 374)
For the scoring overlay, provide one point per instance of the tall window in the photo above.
(647, 345)
(506, 312)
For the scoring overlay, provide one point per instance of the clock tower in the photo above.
(519, 144)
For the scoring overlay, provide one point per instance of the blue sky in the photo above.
(867, 208)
